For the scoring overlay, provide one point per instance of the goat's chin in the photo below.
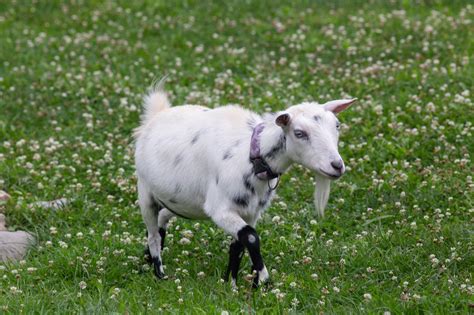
(321, 193)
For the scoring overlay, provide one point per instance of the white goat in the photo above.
(223, 164)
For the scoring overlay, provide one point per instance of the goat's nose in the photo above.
(337, 164)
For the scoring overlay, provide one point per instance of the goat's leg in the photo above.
(248, 237)
(150, 210)
(236, 252)
(163, 218)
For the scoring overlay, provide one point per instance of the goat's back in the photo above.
(184, 150)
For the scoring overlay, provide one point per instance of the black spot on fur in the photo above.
(178, 159)
(317, 118)
(196, 137)
(248, 185)
(264, 201)
(279, 147)
(242, 200)
(173, 200)
(227, 154)
(217, 180)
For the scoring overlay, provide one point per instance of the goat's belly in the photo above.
(184, 209)
(183, 198)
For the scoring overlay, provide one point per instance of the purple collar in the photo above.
(261, 168)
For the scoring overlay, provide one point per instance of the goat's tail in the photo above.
(155, 101)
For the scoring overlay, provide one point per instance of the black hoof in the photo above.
(157, 267)
(158, 273)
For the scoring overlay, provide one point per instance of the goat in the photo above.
(224, 164)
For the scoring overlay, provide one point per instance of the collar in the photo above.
(261, 169)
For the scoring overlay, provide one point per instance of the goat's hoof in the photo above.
(158, 271)
(158, 268)
(260, 278)
(233, 283)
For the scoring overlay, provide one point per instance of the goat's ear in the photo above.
(283, 120)
(338, 106)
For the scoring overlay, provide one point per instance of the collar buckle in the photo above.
(262, 170)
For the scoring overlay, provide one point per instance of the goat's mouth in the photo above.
(330, 175)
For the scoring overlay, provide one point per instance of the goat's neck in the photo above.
(273, 137)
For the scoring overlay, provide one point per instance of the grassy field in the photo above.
(398, 234)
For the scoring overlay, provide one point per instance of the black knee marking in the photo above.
(157, 268)
(249, 238)
(162, 232)
(236, 252)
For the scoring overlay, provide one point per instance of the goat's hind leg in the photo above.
(150, 210)
(163, 218)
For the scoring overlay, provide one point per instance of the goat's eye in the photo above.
(338, 125)
(300, 134)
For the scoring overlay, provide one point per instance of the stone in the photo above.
(2, 222)
(53, 205)
(14, 245)
(4, 196)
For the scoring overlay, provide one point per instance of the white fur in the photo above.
(180, 160)
(321, 194)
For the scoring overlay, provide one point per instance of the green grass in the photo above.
(71, 80)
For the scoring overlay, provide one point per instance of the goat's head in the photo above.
(312, 136)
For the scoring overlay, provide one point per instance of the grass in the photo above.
(398, 234)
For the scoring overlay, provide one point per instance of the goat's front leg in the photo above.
(248, 237)
(236, 252)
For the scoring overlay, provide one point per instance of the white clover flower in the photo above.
(82, 285)
(184, 241)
